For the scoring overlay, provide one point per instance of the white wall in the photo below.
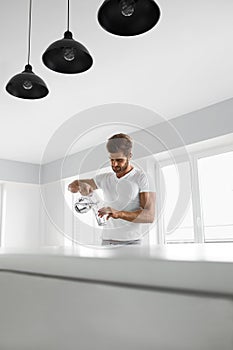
(207, 123)
(52, 214)
(26, 222)
(20, 172)
(21, 209)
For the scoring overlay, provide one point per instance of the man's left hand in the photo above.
(110, 212)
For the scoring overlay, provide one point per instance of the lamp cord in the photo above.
(29, 30)
(68, 15)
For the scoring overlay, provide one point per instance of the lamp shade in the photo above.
(128, 17)
(67, 56)
(27, 85)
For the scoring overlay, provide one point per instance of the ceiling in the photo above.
(181, 65)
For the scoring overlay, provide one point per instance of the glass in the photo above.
(94, 202)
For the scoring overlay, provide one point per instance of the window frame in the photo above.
(198, 223)
(205, 154)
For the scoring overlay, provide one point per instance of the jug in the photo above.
(91, 201)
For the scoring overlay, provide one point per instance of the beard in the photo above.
(120, 169)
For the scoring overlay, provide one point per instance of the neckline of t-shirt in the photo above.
(126, 175)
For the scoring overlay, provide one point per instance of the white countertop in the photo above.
(181, 267)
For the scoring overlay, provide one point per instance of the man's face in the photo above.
(119, 162)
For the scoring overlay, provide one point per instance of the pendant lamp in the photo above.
(27, 84)
(67, 55)
(128, 17)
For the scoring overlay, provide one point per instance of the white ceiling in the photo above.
(181, 65)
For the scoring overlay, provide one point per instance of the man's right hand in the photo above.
(78, 186)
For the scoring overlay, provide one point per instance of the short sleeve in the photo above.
(146, 183)
(99, 178)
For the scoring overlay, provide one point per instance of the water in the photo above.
(92, 201)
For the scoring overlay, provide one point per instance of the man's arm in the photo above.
(145, 214)
(84, 186)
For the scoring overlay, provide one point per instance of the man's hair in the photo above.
(120, 143)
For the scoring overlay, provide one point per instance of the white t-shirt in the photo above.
(123, 194)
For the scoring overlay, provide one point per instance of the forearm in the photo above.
(90, 182)
(137, 216)
(84, 186)
(144, 214)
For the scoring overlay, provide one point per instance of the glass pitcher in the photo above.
(94, 202)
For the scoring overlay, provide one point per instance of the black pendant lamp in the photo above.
(67, 55)
(27, 84)
(128, 17)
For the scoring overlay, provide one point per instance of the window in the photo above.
(183, 232)
(208, 218)
(216, 191)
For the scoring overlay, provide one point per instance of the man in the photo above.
(130, 197)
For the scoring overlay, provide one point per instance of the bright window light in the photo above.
(216, 190)
(184, 231)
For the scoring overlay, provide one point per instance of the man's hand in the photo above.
(77, 186)
(144, 214)
(110, 212)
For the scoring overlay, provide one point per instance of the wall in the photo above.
(210, 122)
(21, 223)
(19, 172)
(52, 214)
